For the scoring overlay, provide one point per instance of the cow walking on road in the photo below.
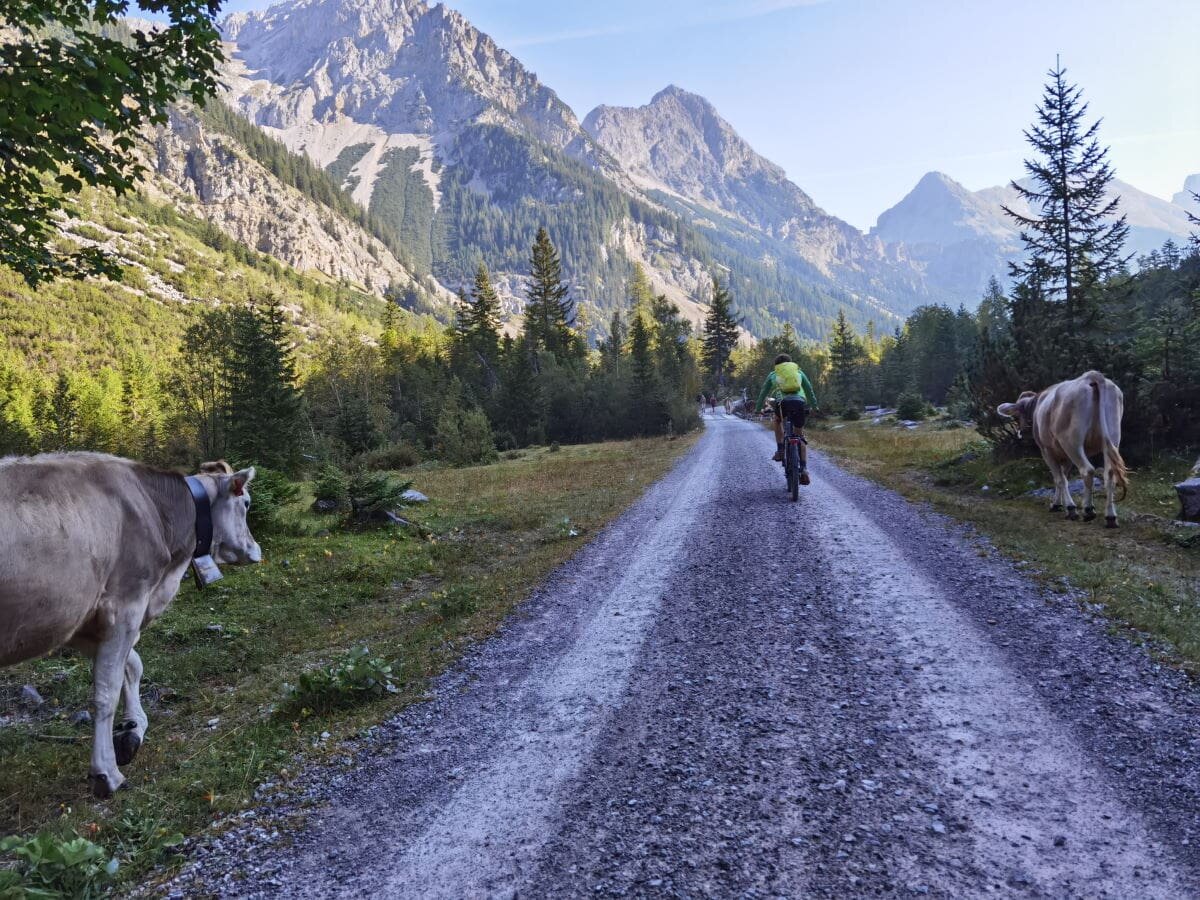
(1071, 422)
(93, 549)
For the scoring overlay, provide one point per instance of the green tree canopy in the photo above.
(76, 86)
(720, 336)
(1073, 234)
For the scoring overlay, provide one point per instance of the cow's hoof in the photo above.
(1073, 514)
(1057, 507)
(102, 785)
(126, 743)
(1110, 521)
(1088, 514)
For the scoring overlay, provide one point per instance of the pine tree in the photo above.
(63, 415)
(1073, 235)
(846, 357)
(549, 311)
(265, 408)
(641, 294)
(720, 336)
(478, 334)
(520, 417)
(647, 403)
(202, 384)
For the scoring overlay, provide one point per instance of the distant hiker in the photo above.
(794, 395)
(712, 402)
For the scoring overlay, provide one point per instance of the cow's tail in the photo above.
(1112, 454)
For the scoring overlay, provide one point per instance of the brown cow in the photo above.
(1071, 422)
(92, 549)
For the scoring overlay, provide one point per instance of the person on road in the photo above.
(794, 397)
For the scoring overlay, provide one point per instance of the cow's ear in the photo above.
(1008, 410)
(237, 484)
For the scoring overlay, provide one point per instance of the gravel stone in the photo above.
(846, 696)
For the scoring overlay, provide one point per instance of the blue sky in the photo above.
(857, 99)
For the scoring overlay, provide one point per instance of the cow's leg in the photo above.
(1087, 472)
(1061, 496)
(108, 678)
(1110, 494)
(129, 734)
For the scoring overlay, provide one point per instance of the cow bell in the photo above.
(205, 570)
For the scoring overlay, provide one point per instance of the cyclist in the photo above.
(794, 397)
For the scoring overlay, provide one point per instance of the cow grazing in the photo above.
(1072, 422)
(93, 549)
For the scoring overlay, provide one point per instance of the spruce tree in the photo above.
(846, 357)
(549, 311)
(478, 334)
(647, 403)
(63, 415)
(519, 416)
(720, 336)
(265, 404)
(1073, 235)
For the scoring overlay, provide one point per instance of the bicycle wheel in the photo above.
(793, 471)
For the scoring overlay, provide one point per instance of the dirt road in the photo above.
(726, 694)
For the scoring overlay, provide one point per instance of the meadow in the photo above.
(266, 672)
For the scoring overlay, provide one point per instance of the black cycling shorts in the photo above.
(795, 409)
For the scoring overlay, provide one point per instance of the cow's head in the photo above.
(233, 544)
(1022, 411)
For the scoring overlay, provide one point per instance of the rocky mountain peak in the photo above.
(401, 66)
(940, 210)
(1186, 198)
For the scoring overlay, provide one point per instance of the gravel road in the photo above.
(726, 694)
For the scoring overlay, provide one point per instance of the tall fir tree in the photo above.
(549, 311)
(647, 404)
(478, 334)
(266, 405)
(1073, 234)
(846, 357)
(720, 337)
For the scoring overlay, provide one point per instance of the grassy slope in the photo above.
(493, 532)
(1144, 576)
(77, 324)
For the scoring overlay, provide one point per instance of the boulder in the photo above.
(412, 496)
(1189, 499)
(30, 697)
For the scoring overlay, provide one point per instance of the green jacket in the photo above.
(769, 388)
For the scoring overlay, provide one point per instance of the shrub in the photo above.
(373, 494)
(465, 436)
(48, 866)
(851, 414)
(457, 601)
(270, 493)
(910, 406)
(356, 678)
(401, 455)
(332, 484)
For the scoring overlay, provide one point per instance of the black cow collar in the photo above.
(204, 568)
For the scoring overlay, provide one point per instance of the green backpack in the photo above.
(787, 378)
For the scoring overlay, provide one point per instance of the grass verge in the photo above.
(217, 662)
(1144, 576)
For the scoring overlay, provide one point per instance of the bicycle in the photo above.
(791, 455)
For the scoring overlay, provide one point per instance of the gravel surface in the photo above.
(726, 694)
